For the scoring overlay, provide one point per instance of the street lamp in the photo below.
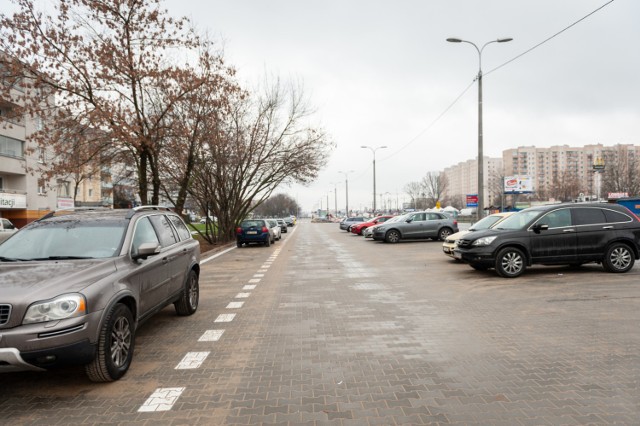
(373, 151)
(480, 152)
(346, 185)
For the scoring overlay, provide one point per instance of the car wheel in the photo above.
(510, 262)
(618, 258)
(444, 233)
(392, 236)
(268, 242)
(115, 346)
(239, 244)
(188, 302)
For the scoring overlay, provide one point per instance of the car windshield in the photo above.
(519, 220)
(485, 223)
(65, 240)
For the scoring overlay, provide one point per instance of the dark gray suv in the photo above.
(560, 234)
(76, 284)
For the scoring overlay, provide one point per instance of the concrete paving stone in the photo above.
(240, 420)
(236, 404)
(398, 403)
(269, 409)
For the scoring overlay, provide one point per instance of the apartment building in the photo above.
(24, 196)
(462, 179)
(548, 166)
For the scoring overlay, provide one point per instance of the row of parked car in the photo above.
(393, 229)
(262, 231)
(559, 234)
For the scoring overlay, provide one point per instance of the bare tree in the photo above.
(622, 171)
(110, 63)
(277, 206)
(566, 185)
(415, 191)
(262, 143)
(434, 185)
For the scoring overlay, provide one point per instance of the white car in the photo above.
(275, 229)
(7, 229)
(484, 223)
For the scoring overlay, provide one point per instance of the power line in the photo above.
(412, 140)
(549, 38)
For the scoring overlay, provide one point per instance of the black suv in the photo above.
(557, 234)
(75, 285)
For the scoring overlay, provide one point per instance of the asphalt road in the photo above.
(326, 328)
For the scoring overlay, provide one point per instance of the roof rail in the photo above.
(73, 209)
(142, 208)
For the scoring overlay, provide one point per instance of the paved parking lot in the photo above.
(325, 328)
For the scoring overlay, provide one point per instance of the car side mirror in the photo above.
(540, 227)
(147, 249)
(409, 220)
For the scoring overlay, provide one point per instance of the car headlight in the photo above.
(484, 241)
(62, 307)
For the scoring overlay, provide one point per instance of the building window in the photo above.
(63, 188)
(42, 158)
(1, 183)
(90, 192)
(42, 186)
(11, 147)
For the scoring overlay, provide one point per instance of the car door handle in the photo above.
(607, 227)
(568, 230)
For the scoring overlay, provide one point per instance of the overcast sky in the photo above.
(381, 73)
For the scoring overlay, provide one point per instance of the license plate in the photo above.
(457, 254)
(252, 232)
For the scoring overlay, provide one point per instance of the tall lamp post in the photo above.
(373, 151)
(346, 187)
(480, 151)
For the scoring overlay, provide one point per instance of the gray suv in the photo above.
(75, 286)
(435, 225)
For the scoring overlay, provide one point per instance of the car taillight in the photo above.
(455, 222)
(238, 230)
(265, 229)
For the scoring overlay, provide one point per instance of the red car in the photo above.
(359, 227)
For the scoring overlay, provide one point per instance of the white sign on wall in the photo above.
(12, 201)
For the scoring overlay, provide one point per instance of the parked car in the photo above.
(368, 232)
(565, 234)
(7, 229)
(348, 221)
(290, 220)
(275, 229)
(357, 228)
(485, 223)
(76, 285)
(283, 225)
(254, 231)
(414, 225)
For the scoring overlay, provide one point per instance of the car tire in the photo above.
(190, 296)
(618, 258)
(115, 346)
(392, 236)
(444, 233)
(238, 244)
(268, 242)
(510, 262)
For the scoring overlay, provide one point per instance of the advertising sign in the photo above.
(12, 201)
(518, 184)
(65, 203)
(472, 200)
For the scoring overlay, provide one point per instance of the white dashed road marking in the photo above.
(192, 360)
(249, 287)
(161, 400)
(254, 280)
(242, 295)
(211, 336)
(235, 305)
(225, 318)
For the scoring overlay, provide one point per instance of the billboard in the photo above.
(518, 184)
(472, 200)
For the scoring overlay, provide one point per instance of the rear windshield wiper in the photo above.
(62, 257)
